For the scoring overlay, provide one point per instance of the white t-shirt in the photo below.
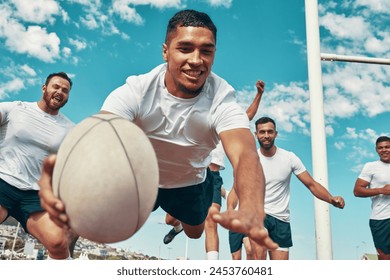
(277, 172)
(218, 156)
(377, 173)
(183, 132)
(27, 136)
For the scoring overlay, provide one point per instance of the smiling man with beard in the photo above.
(29, 132)
(278, 165)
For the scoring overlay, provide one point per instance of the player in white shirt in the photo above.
(185, 110)
(217, 164)
(374, 182)
(278, 165)
(29, 132)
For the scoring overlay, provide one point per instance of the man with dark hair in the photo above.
(278, 165)
(29, 132)
(185, 110)
(374, 182)
(217, 164)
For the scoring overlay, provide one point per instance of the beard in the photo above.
(48, 100)
(267, 146)
(188, 91)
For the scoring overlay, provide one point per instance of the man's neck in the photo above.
(46, 109)
(268, 152)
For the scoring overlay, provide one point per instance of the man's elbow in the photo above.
(357, 193)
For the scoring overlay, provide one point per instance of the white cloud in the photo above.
(329, 130)
(345, 27)
(37, 11)
(351, 133)
(337, 105)
(12, 86)
(339, 145)
(287, 104)
(379, 6)
(89, 21)
(127, 13)
(378, 45)
(28, 70)
(126, 9)
(34, 41)
(16, 78)
(356, 88)
(161, 4)
(357, 168)
(67, 52)
(358, 145)
(223, 3)
(78, 44)
(366, 134)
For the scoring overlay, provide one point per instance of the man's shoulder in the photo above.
(156, 71)
(218, 84)
(285, 152)
(65, 120)
(373, 164)
(19, 104)
(220, 92)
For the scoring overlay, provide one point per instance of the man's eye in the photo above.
(208, 52)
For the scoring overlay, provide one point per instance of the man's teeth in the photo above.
(193, 73)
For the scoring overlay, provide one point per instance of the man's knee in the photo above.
(193, 232)
(382, 255)
(170, 220)
(236, 255)
(3, 214)
(209, 220)
(53, 238)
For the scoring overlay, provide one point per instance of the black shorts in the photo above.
(279, 231)
(380, 230)
(189, 205)
(19, 203)
(217, 187)
(235, 241)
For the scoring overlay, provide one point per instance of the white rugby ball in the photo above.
(107, 175)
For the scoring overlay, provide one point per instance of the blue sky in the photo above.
(100, 43)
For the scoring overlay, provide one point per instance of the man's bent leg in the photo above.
(177, 228)
(3, 214)
(212, 238)
(382, 256)
(248, 248)
(236, 255)
(279, 254)
(53, 238)
(193, 232)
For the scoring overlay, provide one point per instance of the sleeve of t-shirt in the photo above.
(366, 173)
(5, 108)
(296, 164)
(230, 115)
(123, 100)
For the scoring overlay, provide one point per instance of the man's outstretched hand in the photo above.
(246, 223)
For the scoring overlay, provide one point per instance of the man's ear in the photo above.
(165, 52)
